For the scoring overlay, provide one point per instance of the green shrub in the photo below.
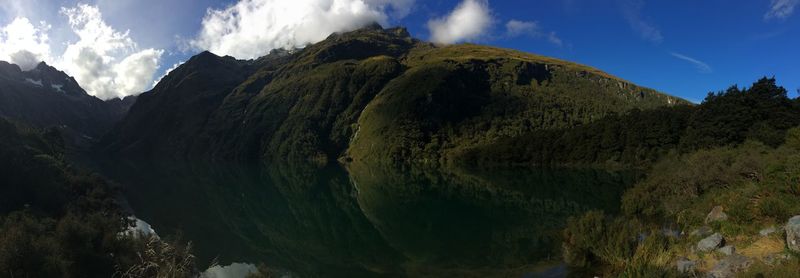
(594, 238)
(793, 138)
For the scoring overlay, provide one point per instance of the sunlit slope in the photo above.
(370, 94)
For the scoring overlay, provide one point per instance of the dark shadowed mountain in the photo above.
(47, 97)
(370, 94)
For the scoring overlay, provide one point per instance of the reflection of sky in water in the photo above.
(235, 270)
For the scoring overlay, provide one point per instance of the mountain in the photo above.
(370, 94)
(47, 97)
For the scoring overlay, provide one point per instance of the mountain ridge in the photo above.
(310, 103)
(47, 97)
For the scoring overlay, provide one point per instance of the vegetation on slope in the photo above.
(57, 221)
(370, 94)
(762, 112)
(755, 184)
(456, 98)
(733, 163)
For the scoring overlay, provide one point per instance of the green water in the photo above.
(366, 220)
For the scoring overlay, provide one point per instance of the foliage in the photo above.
(588, 240)
(634, 138)
(757, 185)
(637, 138)
(762, 112)
(784, 270)
(595, 239)
(370, 94)
(158, 258)
(57, 221)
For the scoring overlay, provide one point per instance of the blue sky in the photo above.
(734, 40)
(685, 48)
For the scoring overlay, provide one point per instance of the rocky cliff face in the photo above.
(369, 94)
(47, 97)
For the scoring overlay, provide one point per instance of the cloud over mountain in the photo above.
(106, 62)
(468, 21)
(23, 43)
(251, 28)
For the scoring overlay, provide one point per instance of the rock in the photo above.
(716, 215)
(685, 265)
(767, 231)
(727, 250)
(710, 243)
(729, 266)
(702, 231)
(793, 234)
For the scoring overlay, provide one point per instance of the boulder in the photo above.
(727, 250)
(716, 215)
(685, 265)
(793, 234)
(710, 243)
(729, 266)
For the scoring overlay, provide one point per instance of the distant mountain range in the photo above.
(370, 94)
(46, 97)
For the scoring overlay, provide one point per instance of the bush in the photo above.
(158, 258)
(56, 221)
(594, 238)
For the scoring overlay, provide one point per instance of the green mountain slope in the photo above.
(370, 94)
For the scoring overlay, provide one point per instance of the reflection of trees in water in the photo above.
(394, 222)
(490, 222)
(299, 218)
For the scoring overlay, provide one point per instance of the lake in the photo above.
(364, 220)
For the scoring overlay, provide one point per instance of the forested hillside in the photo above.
(762, 112)
(370, 94)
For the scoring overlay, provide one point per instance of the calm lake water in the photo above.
(366, 220)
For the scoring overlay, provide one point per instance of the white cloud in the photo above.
(632, 10)
(553, 38)
(515, 28)
(135, 71)
(781, 9)
(105, 62)
(24, 44)
(251, 28)
(468, 21)
(701, 66)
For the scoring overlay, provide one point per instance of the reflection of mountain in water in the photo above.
(471, 222)
(376, 221)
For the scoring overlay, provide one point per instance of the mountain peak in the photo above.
(9, 69)
(44, 67)
(206, 53)
(373, 26)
